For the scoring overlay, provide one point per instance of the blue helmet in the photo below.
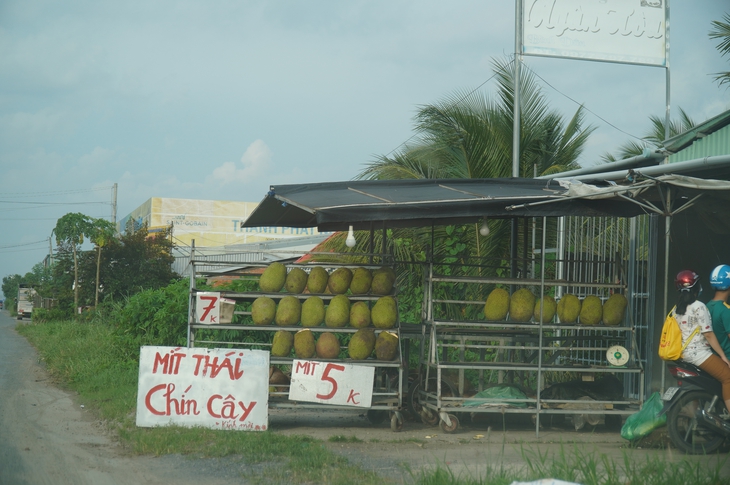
(720, 277)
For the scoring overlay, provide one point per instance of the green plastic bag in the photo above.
(645, 421)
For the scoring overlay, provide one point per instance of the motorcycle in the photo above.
(697, 420)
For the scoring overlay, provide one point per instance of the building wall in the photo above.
(209, 222)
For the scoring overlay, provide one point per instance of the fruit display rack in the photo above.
(462, 358)
(243, 332)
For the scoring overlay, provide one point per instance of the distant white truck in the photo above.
(25, 302)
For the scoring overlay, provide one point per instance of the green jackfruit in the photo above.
(263, 310)
(312, 312)
(282, 343)
(384, 313)
(591, 310)
(383, 281)
(304, 344)
(337, 313)
(296, 280)
(613, 309)
(521, 305)
(339, 281)
(497, 305)
(328, 346)
(361, 280)
(273, 278)
(568, 308)
(359, 315)
(288, 311)
(386, 346)
(317, 280)
(548, 307)
(361, 344)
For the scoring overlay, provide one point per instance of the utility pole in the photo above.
(114, 204)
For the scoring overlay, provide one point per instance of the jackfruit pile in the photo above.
(361, 344)
(384, 313)
(521, 305)
(296, 281)
(547, 307)
(362, 278)
(282, 343)
(327, 346)
(613, 309)
(383, 281)
(273, 278)
(359, 315)
(497, 305)
(591, 310)
(317, 280)
(304, 345)
(288, 311)
(337, 313)
(263, 310)
(339, 281)
(312, 312)
(568, 308)
(386, 346)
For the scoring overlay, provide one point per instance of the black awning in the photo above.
(333, 206)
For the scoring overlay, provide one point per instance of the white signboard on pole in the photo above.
(625, 31)
(207, 307)
(213, 388)
(332, 383)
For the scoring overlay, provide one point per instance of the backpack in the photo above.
(670, 345)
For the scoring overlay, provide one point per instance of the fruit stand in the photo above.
(320, 323)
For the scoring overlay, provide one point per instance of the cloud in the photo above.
(254, 163)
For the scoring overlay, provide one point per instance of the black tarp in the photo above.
(333, 206)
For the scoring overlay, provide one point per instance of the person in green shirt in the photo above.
(719, 307)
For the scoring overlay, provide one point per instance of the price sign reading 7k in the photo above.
(207, 307)
(332, 383)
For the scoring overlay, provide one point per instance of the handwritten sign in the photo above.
(212, 388)
(332, 383)
(208, 307)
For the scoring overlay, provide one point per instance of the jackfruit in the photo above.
(497, 305)
(361, 344)
(288, 311)
(263, 310)
(568, 308)
(312, 312)
(296, 280)
(384, 313)
(328, 346)
(548, 306)
(277, 380)
(304, 344)
(359, 315)
(273, 278)
(521, 305)
(383, 281)
(339, 281)
(282, 343)
(386, 346)
(361, 280)
(337, 313)
(317, 280)
(591, 311)
(613, 309)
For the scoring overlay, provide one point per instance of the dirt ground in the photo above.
(48, 436)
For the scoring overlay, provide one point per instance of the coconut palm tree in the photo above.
(721, 30)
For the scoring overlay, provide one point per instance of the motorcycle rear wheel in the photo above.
(686, 433)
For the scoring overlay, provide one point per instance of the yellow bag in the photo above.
(670, 345)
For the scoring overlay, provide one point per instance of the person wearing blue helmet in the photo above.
(719, 307)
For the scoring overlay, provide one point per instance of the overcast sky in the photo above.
(218, 100)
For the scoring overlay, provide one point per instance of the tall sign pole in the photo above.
(516, 129)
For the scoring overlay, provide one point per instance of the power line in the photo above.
(53, 193)
(44, 241)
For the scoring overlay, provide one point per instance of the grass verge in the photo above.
(88, 359)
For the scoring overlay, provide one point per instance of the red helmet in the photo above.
(686, 279)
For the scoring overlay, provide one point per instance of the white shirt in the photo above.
(698, 350)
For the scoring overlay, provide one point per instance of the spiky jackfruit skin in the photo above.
(312, 312)
(263, 310)
(304, 345)
(359, 315)
(339, 281)
(613, 309)
(361, 280)
(521, 305)
(282, 343)
(497, 305)
(361, 344)
(386, 346)
(337, 313)
(317, 280)
(384, 313)
(295, 281)
(288, 311)
(327, 346)
(568, 308)
(548, 307)
(383, 281)
(591, 310)
(273, 278)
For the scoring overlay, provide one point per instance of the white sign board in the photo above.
(626, 31)
(213, 388)
(207, 307)
(332, 383)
